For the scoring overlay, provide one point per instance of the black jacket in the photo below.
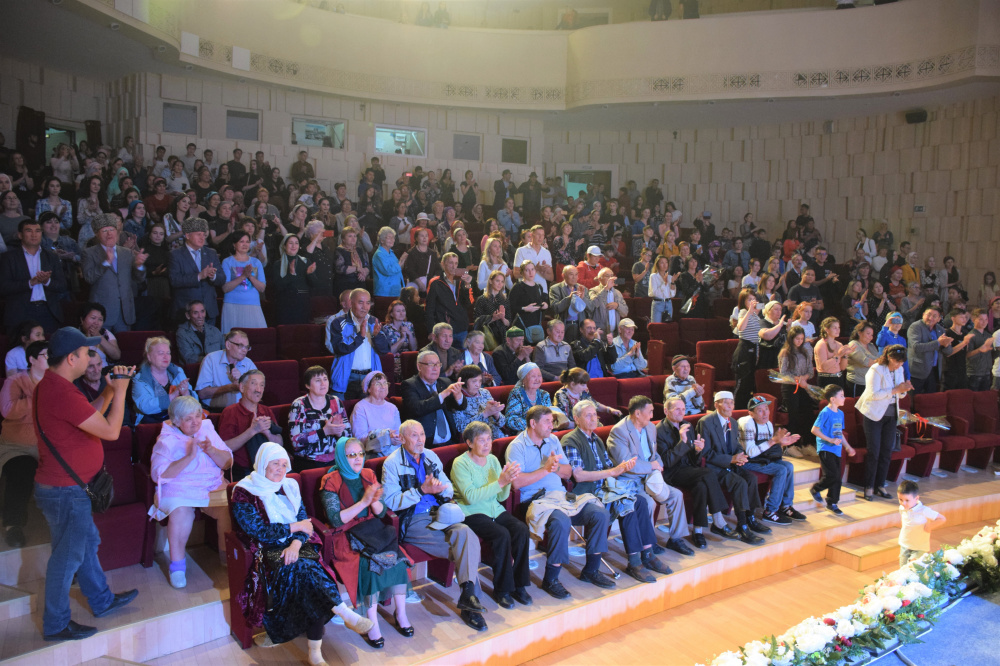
(444, 306)
(422, 405)
(584, 352)
(14, 289)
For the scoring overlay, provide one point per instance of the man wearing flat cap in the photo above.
(194, 271)
(115, 273)
(511, 355)
(726, 458)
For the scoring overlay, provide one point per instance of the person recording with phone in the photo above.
(71, 456)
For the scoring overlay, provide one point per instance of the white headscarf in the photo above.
(281, 509)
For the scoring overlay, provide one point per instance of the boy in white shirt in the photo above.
(918, 521)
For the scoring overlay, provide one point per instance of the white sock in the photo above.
(316, 652)
(354, 622)
(697, 530)
(718, 520)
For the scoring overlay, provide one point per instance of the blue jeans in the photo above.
(74, 553)
(782, 475)
(662, 311)
(458, 339)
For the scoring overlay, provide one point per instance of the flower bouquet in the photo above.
(780, 378)
(922, 422)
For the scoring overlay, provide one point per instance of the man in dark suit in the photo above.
(503, 189)
(429, 400)
(115, 273)
(31, 281)
(195, 271)
(724, 456)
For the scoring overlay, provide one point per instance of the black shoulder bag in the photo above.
(101, 489)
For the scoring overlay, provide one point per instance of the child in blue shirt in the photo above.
(830, 439)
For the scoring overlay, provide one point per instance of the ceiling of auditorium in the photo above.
(79, 46)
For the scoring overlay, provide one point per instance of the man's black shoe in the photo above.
(474, 620)
(726, 532)
(522, 597)
(639, 574)
(757, 526)
(598, 579)
(72, 632)
(679, 546)
(468, 600)
(121, 599)
(747, 536)
(698, 539)
(505, 601)
(15, 537)
(555, 588)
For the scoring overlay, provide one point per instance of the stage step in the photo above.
(160, 621)
(804, 502)
(15, 602)
(23, 565)
(110, 661)
(864, 552)
(806, 470)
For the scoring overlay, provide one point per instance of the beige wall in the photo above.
(865, 170)
(65, 98)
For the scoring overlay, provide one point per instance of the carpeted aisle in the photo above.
(965, 635)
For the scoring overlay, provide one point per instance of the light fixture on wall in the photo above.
(895, 94)
(604, 106)
(189, 67)
(242, 80)
(57, 2)
(161, 48)
(770, 99)
(114, 26)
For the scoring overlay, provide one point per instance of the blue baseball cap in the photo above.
(68, 339)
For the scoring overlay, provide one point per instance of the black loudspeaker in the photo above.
(914, 117)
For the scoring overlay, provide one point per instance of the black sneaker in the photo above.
(15, 537)
(555, 588)
(834, 509)
(816, 495)
(597, 578)
(775, 518)
(792, 513)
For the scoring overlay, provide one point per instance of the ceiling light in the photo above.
(114, 26)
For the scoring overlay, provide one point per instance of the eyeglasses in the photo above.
(240, 346)
(359, 454)
(431, 365)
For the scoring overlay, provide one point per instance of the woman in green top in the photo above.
(480, 485)
(352, 496)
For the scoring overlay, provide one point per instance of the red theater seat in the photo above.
(284, 383)
(979, 426)
(954, 442)
(301, 340)
(325, 362)
(713, 365)
(263, 344)
(126, 533)
(133, 345)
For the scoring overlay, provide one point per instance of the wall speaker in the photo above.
(914, 117)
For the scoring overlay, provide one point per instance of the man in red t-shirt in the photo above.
(248, 424)
(67, 422)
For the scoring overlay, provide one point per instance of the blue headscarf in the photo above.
(343, 464)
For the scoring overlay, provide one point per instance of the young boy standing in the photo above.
(830, 440)
(918, 521)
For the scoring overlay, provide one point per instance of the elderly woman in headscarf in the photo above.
(366, 555)
(115, 186)
(292, 280)
(186, 465)
(527, 393)
(289, 589)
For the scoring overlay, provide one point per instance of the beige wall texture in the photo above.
(864, 170)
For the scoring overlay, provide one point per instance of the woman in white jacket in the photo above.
(661, 290)
(867, 244)
(879, 407)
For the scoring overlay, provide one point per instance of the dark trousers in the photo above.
(744, 369)
(854, 390)
(19, 473)
(881, 438)
(801, 409)
(830, 481)
(39, 311)
(826, 380)
(742, 487)
(593, 518)
(637, 528)
(956, 379)
(629, 375)
(928, 384)
(508, 539)
(979, 382)
(704, 487)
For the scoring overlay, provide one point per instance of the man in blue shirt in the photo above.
(550, 510)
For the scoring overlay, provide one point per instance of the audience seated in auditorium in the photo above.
(417, 490)
(315, 422)
(550, 511)
(442, 344)
(569, 300)
(450, 298)
(352, 500)
(527, 393)
(763, 446)
(478, 404)
(553, 355)
(157, 383)
(682, 384)
(430, 400)
(26, 332)
(115, 273)
(92, 317)
(196, 337)
(511, 355)
(220, 372)
(290, 589)
(573, 390)
(247, 424)
(595, 350)
(19, 442)
(187, 467)
(475, 345)
(595, 472)
(630, 362)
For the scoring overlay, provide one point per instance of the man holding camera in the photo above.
(69, 432)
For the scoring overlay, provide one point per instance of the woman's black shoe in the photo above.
(377, 644)
(880, 492)
(405, 631)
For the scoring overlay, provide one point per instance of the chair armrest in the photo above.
(959, 426)
(144, 480)
(986, 424)
(704, 374)
(325, 533)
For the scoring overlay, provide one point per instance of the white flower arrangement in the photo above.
(894, 608)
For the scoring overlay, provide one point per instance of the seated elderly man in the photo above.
(681, 454)
(430, 400)
(630, 362)
(416, 488)
(594, 352)
(682, 385)
(196, 338)
(550, 512)
(725, 458)
(764, 445)
(634, 437)
(553, 355)
(246, 425)
(452, 358)
(594, 472)
(511, 355)
(218, 377)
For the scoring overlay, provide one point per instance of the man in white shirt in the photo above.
(537, 254)
(189, 158)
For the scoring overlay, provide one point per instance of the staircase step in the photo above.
(110, 661)
(806, 470)
(804, 502)
(15, 603)
(23, 565)
(866, 551)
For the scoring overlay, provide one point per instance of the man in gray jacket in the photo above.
(569, 300)
(925, 339)
(635, 437)
(553, 354)
(115, 273)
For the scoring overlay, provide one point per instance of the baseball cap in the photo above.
(68, 339)
(627, 322)
(594, 250)
(756, 401)
(448, 514)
